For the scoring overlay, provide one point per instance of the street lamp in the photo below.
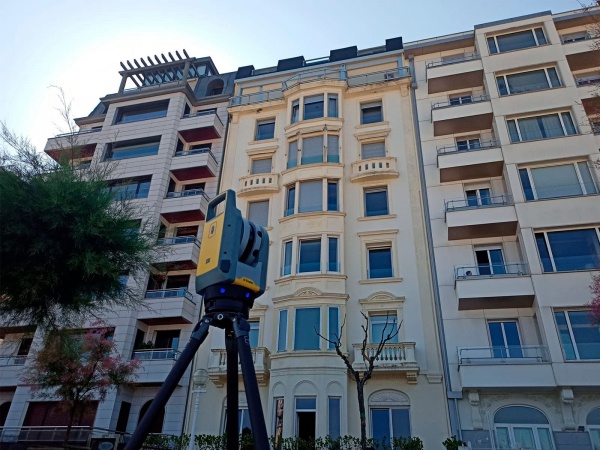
(200, 379)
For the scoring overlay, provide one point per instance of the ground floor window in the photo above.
(522, 427)
(306, 417)
(390, 423)
(593, 423)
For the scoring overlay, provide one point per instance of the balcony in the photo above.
(374, 169)
(185, 206)
(262, 183)
(461, 72)
(395, 357)
(194, 164)
(587, 81)
(155, 365)
(493, 286)
(461, 163)
(180, 253)
(217, 366)
(168, 306)
(462, 115)
(511, 367)
(484, 217)
(201, 126)
(11, 368)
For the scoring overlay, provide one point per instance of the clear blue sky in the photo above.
(78, 45)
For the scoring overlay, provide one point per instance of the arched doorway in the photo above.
(522, 427)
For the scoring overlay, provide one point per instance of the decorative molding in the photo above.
(387, 397)
(268, 150)
(566, 404)
(382, 234)
(373, 134)
(307, 292)
(381, 297)
(476, 416)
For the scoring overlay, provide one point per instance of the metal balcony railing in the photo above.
(52, 434)
(378, 77)
(177, 240)
(452, 60)
(189, 193)
(467, 100)
(170, 293)
(156, 354)
(491, 270)
(577, 37)
(12, 360)
(467, 148)
(80, 132)
(586, 81)
(195, 151)
(208, 112)
(500, 355)
(479, 202)
(315, 75)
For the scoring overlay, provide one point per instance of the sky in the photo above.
(78, 45)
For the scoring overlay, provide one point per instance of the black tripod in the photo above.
(226, 307)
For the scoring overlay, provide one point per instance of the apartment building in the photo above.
(162, 133)
(322, 153)
(508, 137)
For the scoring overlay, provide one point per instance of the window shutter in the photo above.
(261, 166)
(312, 150)
(258, 212)
(311, 196)
(373, 150)
(333, 148)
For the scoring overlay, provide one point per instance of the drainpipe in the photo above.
(452, 397)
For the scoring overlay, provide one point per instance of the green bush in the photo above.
(452, 443)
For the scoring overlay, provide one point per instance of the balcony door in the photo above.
(505, 339)
(478, 197)
(490, 261)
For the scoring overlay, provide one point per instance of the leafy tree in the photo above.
(389, 332)
(65, 243)
(77, 369)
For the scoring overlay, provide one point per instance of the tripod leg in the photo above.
(232, 390)
(162, 397)
(257, 418)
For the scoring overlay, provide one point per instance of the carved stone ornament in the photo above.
(387, 397)
(307, 292)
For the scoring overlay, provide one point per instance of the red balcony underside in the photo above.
(86, 151)
(193, 173)
(183, 216)
(199, 134)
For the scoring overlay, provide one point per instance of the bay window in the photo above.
(311, 196)
(314, 254)
(314, 149)
(541, 127)
(534, 80)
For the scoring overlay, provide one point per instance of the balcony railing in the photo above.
(170, 293)
(316, 75)
(491, 270)
(378, 77)
(177, 240)
(396, 354)
(583, 36)
(460, 101)
(480, 202)
(462, 148)
(586, 81)
(256, 97)
(78, 133)
(189, 193)
(520, 354)
(156, 354)
(51, 434)
(196, 151)
(209, 112)
(453, 60)
(12, 360)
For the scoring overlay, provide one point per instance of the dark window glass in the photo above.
(492, 45)
(515, 41)
(307, 325)
(574, 249)
(291, 201)
(309, 259)
(334, 265)
(502, 89)
(332, 105)
(543, 251)
(371, 113)
(265, 129)
(131, 189)
(295, 111)
(313, 107)
(376, 203)
(132, 149)
(145, 111)
(527, 189)
(380, 263)
(287, 258)
(332, 196)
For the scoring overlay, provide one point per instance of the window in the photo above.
(334, 417)
(373, 150)
(389, 423)
(371, 113)
(314, 150)
(490, 261)
(286, 268)
(593, 424)
(309, 255)
(306, 418)
(595, 127)
(215, 87)
(516, 41)
(307, 325)
(295, 111)
(145, 111)
(167, 340)
(265, 129)
(541, 127)
(258, 212)
(244, 422)
(333, 326)
(478, 197)
(130, 189)
(534, 80)
(332, 105)
(522, 427)
(253, 333)
(333, 264)
(382, 326)
(376, 202)
(132, 149)
(465, 144)
(569, 250)
(579, 335)
(282, 331)
(563, 180)
(262, 165)
(314, 107)
(310, 197)
(505, 340)
(379, 262)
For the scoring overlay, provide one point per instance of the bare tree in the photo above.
(389, 332)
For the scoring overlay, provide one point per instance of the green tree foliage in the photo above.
(65, 242)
